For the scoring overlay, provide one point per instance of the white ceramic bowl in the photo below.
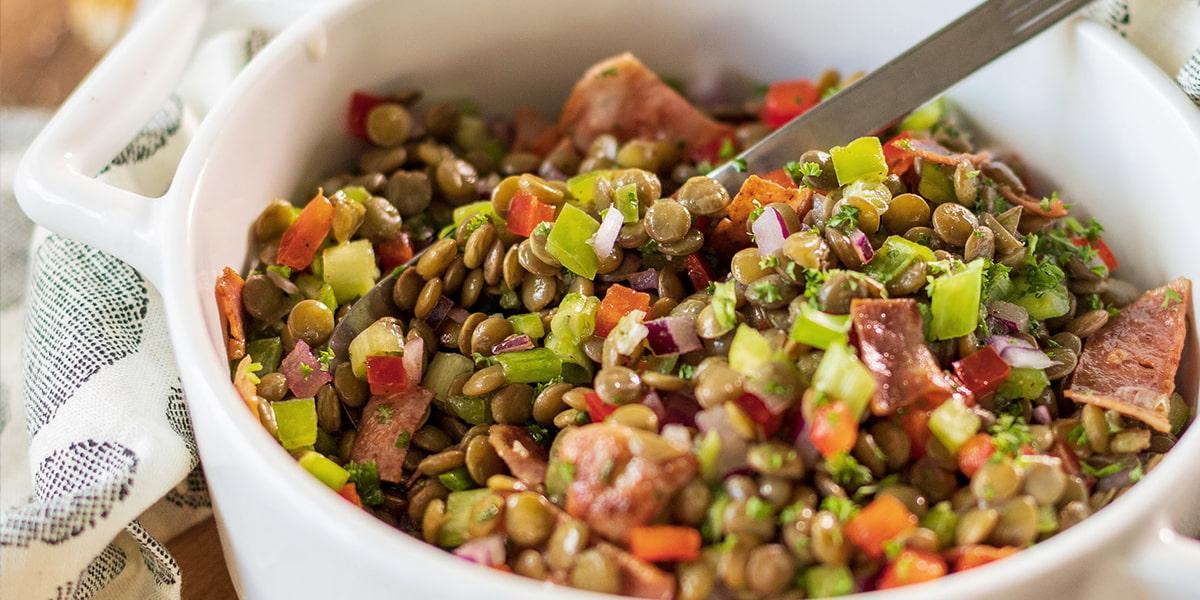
(1093, 117)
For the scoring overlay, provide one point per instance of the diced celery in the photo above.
(724, 304)
(583, 187)
(626, 201)
(530, 366)
(472, 409)
(895, 255)
(350, 269)
(707, 454)
(442, 371)
(318, 266)
(942, 520)
(267, 353)
(862, 158)
(357, 193)
(295, 422)
(383, 337)
(571, 357)
(1050, 303)
(841, 375)
(955, 302)
(466, 211)
(819, 329)
(827, 581)
(529, 324)
(925, 117)
(713, 527)
(326, 471)
(568, 241)
(576, 316)
(1023, 383)
(326, 296)
(936, 185)
(310, 285)
(749, 350)
(455, 528)
(457, 480)
(953, 424)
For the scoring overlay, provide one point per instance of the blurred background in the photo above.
(46, 49)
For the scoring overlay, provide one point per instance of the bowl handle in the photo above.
(1162, 565)
(54, 183)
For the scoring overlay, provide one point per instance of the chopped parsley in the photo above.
(1137, 473)
(846, 470)
(383, 414)
(305, 370)
(283, 270)
(1091, 231)
(609, 72)
(687, 371)
(727, 150)
(739, 165)
(1041, 274)
(1010, 434)
(704, 168)
(813, 280)
(487, 513)
(768, 262)
(403, 439)
(843, 508)
(759, 509)
(798, 171)
(325, 357)
(365, 476)
(251, 372)
(893, 547)
(846, 218)
(1101, 472)
(757, 211)
(1078, 436)
(830, 91)
(724, 303)
(1094, 302)
(766, 291)
(1170, 296)
(477, 221)
(539, 433)
(543, 228)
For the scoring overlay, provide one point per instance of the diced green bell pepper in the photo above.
(936, 185)
(713, 527)
(472, 409)
(942, 520)
(925, 117)
(1023, 383)
(356, 193)
(326, 471)
(568, 241)
(350, 269)
(841, 375)
(626, 201)
(862, 158)
(749, 350)
(1050, 303)
(466, 211)
(295, 422)
(826, 581)
(266, 352)
(529, 324)
(820, 329)
(457, 480)
(953, 424)
(955, 302)
(583, 187)
(894, 256)
(530, 366)
(724, 304)
(710, 448)
(455, 528)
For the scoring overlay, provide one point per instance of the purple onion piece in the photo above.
(680, 409)
(769, 231)
(862, 246)
(439, 312)
(1019, 352)
(644, 281)
(1014, 318)
(283, 283)
(487, 551)
(672, 335)
(1041, 415)
(303, 371)
(513, 343)
(998, 326)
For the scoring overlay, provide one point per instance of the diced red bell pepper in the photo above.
(233, 320)
(350, 493)
(393, 253)
(779, 176)
(915, 422)
(834, 429)
(1070, 461)
(976, 555)
(1102, 250)
(526, 212)
(697, 272)
(656, 543)
(710, 152)
(898, 161)
(912, 566)
(883, 519)
(299, 244)
(975, 452)
(757, 410)
(386, 374)
(361, 103)
(786, 100)
(982, 371)
(618, 302)
(598, 409)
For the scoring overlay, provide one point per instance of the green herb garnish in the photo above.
(846, 218)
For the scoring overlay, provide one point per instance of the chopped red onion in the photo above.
(652, 401)
(606, 236)
(303, 371)
(681, 409)
(732, 453)
(458, 314)
(1019, 353)
(282, 282)
(513, 343)
(439, 312)
(487, 551)
(862, 246)
(414, 359)
(643, 281)
(1014, 318)
(769, 231)
(677, 434)
(672, 335)
(1041, 415)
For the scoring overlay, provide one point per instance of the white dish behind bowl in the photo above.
(1089, 115)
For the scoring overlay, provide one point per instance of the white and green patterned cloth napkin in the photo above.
(100, 466)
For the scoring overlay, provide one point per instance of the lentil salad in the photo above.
(884, 363)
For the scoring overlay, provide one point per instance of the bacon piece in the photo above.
(892, 346)
(621, 96)
(623, 476)
(524, 456)
(533, 133)
(639, 579)
(1032, 205)
(386, 427)
(934, 152)
(233, 318)
(1129, 365)
(732, 233)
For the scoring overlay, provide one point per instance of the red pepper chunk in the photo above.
(786, 100)
(883, 519)
(386, 374)
(754, 407)
(915, 422)
(299, 244)
(898, 160)
(834, 429)
(618, 302)
(1102, 250)
(350, 493)
(982, 371)
(975, 452)
(361, 103)
(664, 543)
(697, 272)
(912, 566)
(393, 253)
(526, 212)
(598, 409)
(780, 177)
(977, 555)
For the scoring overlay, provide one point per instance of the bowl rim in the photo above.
(202, 370)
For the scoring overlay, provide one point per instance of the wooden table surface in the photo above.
(41, 60)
